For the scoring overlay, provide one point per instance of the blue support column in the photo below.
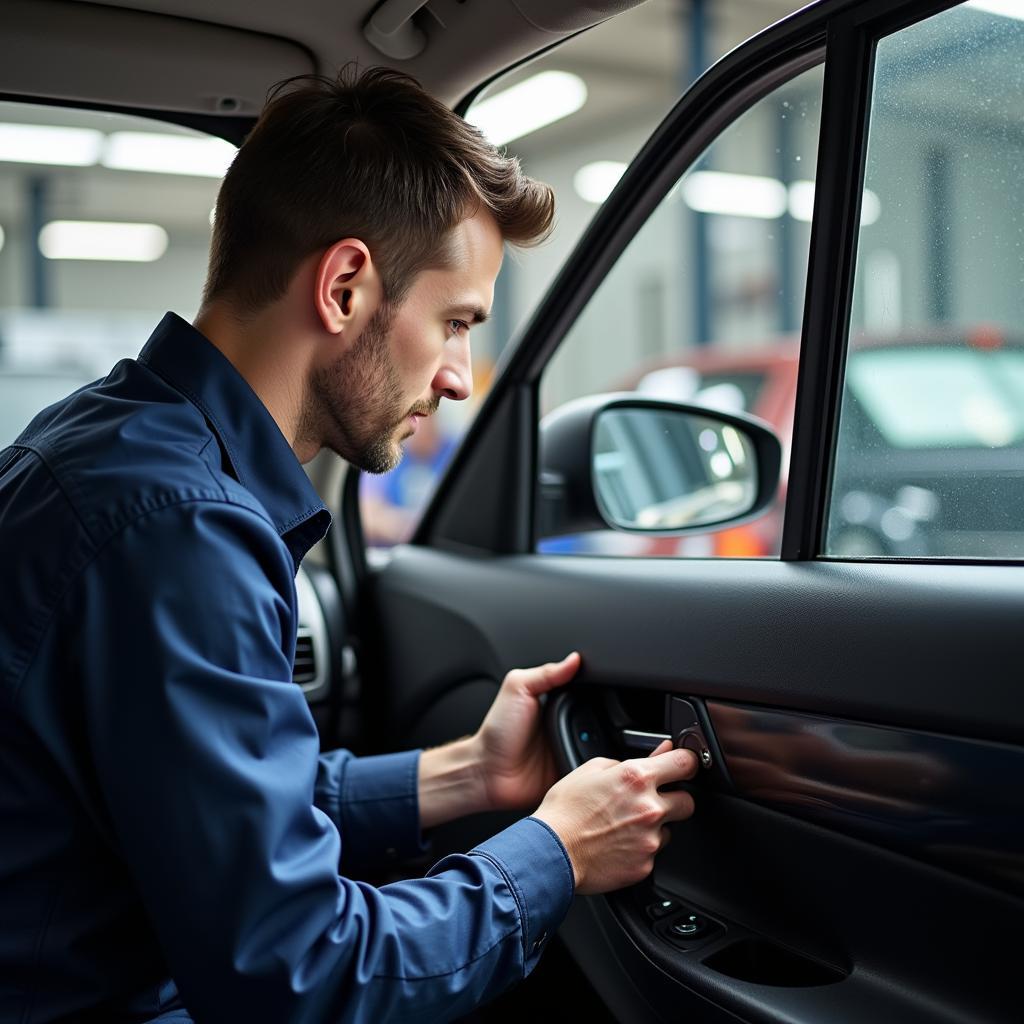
(38, 270)
(501, 309)
(691, 70)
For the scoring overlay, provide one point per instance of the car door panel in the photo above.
(888, 907)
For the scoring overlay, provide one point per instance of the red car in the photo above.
(898, 486)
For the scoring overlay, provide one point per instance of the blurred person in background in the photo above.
(391, 503)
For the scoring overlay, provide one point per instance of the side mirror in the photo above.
(650, 465)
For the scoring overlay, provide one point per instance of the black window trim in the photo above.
(720, 95)
(842, 151)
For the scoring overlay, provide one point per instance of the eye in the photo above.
(458, 326)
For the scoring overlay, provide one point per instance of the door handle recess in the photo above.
(576, 733)
(686, 730)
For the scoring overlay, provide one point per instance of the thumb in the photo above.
(546, 677)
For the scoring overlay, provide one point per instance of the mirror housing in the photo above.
(569, 492)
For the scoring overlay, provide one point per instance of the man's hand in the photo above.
(506, 763)
(517, 765)
(611, 817)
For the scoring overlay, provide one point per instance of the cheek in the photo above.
(416, 354)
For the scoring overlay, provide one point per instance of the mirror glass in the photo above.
(665, 469)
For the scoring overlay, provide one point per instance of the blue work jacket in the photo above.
(171, 840)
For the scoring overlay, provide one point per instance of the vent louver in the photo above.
(304, 670)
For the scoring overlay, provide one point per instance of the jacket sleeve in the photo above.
(206, 758)
(374, 801)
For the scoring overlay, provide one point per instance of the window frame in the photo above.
(485, 501)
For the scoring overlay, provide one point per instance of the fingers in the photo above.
(679, 805)
(672, 766)
(546, 677)
(663, 746)
(665, 839)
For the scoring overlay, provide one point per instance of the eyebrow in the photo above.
(475, 314)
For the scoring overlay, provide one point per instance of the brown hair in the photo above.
(366, 155)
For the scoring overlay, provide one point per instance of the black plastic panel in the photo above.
(893, 940)
(953, 802)
(932, 647)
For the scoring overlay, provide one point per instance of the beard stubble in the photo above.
(356, 403)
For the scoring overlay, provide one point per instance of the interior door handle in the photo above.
(690, 737)
(644, 742)
(576, 733)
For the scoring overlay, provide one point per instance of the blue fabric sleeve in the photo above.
(206, 765)
(374, 801)
(540, 892)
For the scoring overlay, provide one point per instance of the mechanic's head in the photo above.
(367, 220)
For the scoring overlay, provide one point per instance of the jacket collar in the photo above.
(260, 457)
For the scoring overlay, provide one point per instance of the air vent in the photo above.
(304, 670)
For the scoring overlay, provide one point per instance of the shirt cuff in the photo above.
(537, 870)
(380, 808)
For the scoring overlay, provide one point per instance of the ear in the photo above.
(347, 289)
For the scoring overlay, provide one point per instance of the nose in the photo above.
(454, 379)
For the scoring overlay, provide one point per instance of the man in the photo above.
(174, 846)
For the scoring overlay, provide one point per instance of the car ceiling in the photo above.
(191, 56)
(195, 57)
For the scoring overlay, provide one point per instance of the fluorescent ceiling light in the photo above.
(168, 154)
(528, 105)
(801, 203)
(1006, 8)
(1, 238)
(594, 182)
(47, 144)
(870, 208)
(801, 200)
(102, 240)
(736, 195)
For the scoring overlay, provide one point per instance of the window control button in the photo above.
(689, 926)
(662, 909)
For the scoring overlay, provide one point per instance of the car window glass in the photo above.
(704, 305)
(931, 433)
(104, 226)
(939, 416)
(573, 117)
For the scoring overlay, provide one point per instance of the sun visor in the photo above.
(53, 49)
